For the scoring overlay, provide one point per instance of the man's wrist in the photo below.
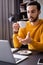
(15, 32)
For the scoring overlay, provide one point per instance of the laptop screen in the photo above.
(5, 52)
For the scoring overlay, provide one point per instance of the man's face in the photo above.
(32, 13)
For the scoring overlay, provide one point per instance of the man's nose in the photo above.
(30, 14)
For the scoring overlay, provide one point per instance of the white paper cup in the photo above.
(22, 24)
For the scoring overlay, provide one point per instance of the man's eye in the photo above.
(33, 11)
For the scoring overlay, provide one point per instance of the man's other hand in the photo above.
(26, 40)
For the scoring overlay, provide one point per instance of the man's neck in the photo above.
(35, 23)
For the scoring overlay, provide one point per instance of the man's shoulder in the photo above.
(41, 20)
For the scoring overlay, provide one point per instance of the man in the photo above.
(32, 34)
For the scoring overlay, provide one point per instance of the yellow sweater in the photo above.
(36, 33)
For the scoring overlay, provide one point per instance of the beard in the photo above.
(32, 19)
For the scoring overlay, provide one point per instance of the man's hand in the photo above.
(26, 40)
(15, 27)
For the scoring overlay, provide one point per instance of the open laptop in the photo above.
(6, 54)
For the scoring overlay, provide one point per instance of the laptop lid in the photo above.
(5, 52)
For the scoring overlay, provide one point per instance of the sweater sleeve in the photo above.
(21, 34)
(16, 43)
(38, 45)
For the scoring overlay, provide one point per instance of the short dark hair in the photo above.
(34, 3)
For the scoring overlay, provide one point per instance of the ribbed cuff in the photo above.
(15, 32)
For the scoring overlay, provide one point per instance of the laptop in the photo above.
(5, 53)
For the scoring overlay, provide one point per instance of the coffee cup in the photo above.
(22, 24)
